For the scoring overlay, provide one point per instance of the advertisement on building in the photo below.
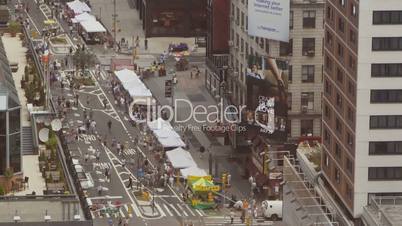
(269, 19)
(266, 113)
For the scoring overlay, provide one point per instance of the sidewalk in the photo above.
(129, 25)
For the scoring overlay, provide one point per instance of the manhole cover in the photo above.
(196, 97)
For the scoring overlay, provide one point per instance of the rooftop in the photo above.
(384, 211)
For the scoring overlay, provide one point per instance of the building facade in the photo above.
(303, 52)
(180, 18)
(10, 125)
(362, 121)
(217, 49)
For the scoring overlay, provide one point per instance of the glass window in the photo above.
(308, 73)
(14, 121)
(15, 152)
(308, 48)
(3, 123)
(3, 155)
(309, 19)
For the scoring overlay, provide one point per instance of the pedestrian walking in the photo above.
(126, 221)
(87, 101)
(171, 181)
(107, 173)
(130, 183)
(118, 147)
(120, 223)
(97, 156)
(86, 157)
(99, 190)
(91, 113)
(104, 101)
(232, 215)
(109, 125)
(76, 99)
(146, 44)
(123, 163)
(243, 216)
(93, 126)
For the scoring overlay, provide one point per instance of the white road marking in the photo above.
(160, 210)
(189, 209)
(199, 212)
(167, 209)
(181, 208)
(175, 210)
(121, 213)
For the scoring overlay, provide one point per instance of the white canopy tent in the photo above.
(180, 158)
(193, 171)
(165, 134)
(134, 86)
(78, 7)
(171, 142)
(159, 124)
(92, 26)
(83, 17)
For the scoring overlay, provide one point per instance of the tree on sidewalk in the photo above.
(83, 60)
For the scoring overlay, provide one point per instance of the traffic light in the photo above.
(224, 180)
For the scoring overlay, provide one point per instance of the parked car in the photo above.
(272, 209)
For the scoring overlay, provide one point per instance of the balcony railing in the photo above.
(217, 61)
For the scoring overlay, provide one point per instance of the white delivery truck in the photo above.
(272, 209)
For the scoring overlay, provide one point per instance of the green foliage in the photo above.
(14, 27)
(52, 142)
(2, 190)
(84, 59)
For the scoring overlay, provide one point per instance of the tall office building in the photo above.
(362, 111)
(304, 52)
(10, 126)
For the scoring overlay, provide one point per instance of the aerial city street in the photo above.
(200, 112)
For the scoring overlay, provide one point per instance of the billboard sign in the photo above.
(267, 80)
(269, 19)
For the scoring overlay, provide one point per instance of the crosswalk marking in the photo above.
(101, 165)
(175, 210)
(184, 212)
(190, 210)
(199, 212)
(167, 209)
(129, 151)
(121, 213)
(160, 210)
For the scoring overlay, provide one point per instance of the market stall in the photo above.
(77, 7)
(202, 192)
(192, 171)
(165, 134)
(140, 95)
(83, 17)
(180, 158)
(92, 31)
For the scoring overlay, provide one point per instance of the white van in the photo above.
(272, 209)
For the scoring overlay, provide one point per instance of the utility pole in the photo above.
(114, 21)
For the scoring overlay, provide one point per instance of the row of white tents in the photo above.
(161, 129)
(82, 16)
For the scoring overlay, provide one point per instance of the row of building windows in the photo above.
(308, 47)
(385, 148)
(387, 44)
(386, 70)
(386, 122)
(386, 96)
(384, 173)
(387, 17)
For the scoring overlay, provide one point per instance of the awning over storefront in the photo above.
(180, 158)
(78, 7)
(92, 26)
